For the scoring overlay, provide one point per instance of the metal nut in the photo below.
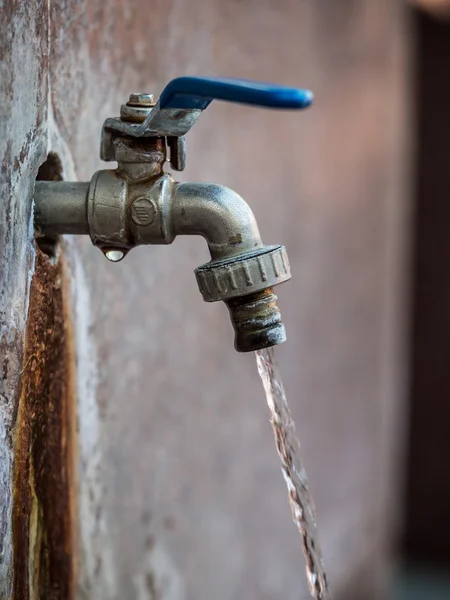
(141, 100)
(243, 274)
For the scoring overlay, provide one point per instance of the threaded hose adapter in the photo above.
(244, 282)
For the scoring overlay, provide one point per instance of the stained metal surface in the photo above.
(256, 320)
(43, 511)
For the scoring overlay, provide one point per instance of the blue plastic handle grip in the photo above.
(199, 92)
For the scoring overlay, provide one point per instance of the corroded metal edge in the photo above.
(43, 520)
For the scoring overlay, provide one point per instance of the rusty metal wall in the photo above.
(179, 494)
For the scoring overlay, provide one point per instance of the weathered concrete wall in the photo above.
(179, 493)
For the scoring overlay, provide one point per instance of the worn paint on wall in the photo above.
(44, 445)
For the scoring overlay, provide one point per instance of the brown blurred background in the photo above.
(426, 534)
(176, 492)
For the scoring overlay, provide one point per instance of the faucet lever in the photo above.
(199, 92)
(182, 102)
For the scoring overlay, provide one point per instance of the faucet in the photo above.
(138, 203)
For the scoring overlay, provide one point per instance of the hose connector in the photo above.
(256, 321)
(244, 282)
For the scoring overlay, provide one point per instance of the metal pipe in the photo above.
(60, 207)
(119, 214)
(213, 211)
(218, 214)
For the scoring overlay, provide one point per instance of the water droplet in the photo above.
(114, 255)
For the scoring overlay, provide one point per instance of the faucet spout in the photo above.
(242, 270)
(218, 214)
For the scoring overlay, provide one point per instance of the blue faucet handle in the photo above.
(183, 101)
(198, 92)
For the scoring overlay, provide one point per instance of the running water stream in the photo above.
(288, 448)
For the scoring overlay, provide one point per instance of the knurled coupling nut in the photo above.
(244, 274)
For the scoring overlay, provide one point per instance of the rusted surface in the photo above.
(43, 506)
(256, 320)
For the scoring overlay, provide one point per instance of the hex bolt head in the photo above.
(141, 100)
